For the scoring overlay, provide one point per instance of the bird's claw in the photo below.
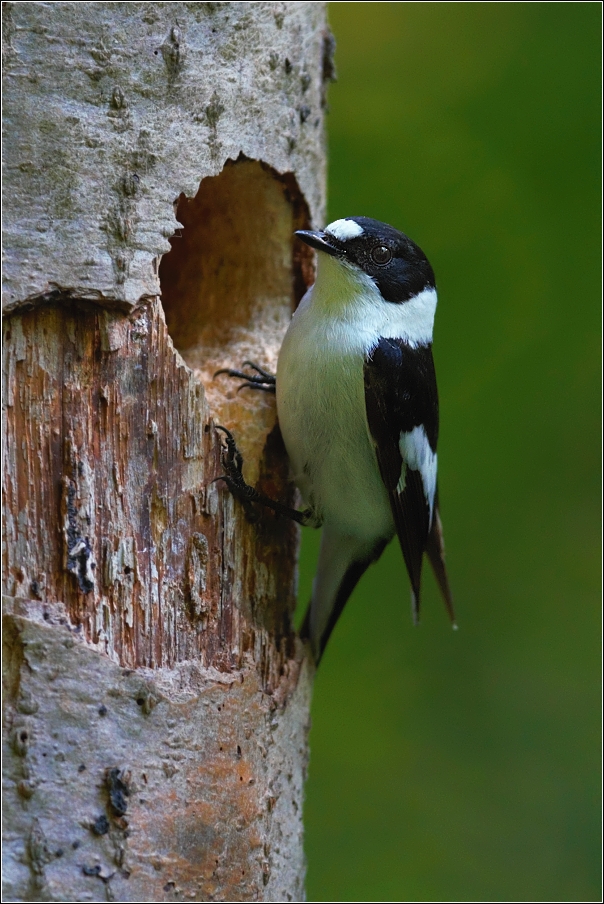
(262, 379)
(232, 462)
(231, 457)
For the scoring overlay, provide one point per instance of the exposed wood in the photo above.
(156, 697)
(108, 427)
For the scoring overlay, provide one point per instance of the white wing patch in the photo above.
(417, 455)
(344, 229)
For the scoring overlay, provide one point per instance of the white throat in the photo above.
(346, 294)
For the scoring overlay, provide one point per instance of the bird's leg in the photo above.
(232, 461)
(262, 379)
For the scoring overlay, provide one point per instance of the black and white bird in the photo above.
(358, 410)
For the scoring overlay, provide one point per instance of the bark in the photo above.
(158, 158)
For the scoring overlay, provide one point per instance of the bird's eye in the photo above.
(381, 254)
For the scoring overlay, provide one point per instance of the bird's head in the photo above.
(395, 264)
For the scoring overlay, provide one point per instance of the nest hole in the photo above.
(235, 272)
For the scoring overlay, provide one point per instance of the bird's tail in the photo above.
(435, 549)
(342, 561)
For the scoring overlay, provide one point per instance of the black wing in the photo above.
(401, 401)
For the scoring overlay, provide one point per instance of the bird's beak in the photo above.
(320, 241)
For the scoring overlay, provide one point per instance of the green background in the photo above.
(465, 766)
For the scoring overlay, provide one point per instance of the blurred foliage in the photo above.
(465, 766)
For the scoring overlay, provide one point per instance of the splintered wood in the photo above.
(110, 503)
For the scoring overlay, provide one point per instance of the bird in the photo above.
(357, 406)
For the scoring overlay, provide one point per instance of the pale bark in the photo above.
(156, 697)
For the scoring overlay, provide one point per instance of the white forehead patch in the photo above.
(344, 229)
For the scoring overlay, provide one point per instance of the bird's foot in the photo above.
(262, 379)
(232, 462)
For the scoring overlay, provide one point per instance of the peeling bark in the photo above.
(156, 696)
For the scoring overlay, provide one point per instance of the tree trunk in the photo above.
(158, 157)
